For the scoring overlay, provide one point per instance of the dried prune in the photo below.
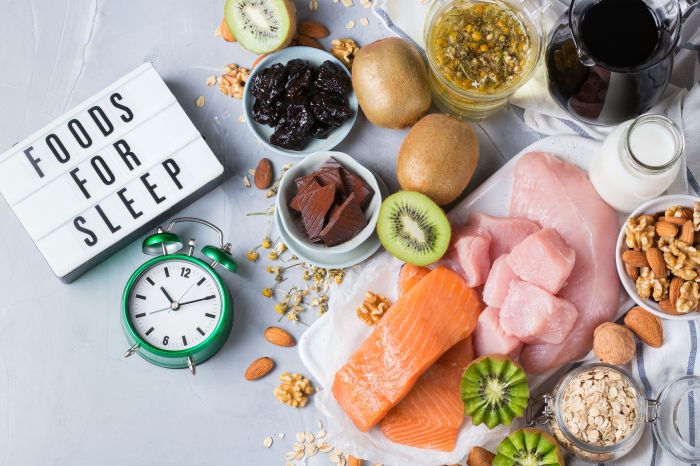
(267, 114)
(299, 78)
(269, 84)
(287, 138)
(299, 117)
(330, 108)
(332, 78)
(321, 130)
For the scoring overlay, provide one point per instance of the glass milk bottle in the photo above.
(638, 161)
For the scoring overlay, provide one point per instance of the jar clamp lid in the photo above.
(672, 417)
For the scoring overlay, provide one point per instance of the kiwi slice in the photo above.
(494, 390)
(261, 26)
(528, 447)
(413, 228)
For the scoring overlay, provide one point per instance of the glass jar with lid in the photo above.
(639, 160)
(480, 52)
(598, 413)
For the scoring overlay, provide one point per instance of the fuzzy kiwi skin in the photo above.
(291, 10)
(548, 446)
(438, 158)
(390, 80)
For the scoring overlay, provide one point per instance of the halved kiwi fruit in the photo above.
(528, 447)
(261, 26)
(413, 228)
(494, 390)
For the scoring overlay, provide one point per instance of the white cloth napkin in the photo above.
(654, 368)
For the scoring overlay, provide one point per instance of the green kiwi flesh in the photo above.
(528, 447)
(494, 390)
(261, 26)
(413, 228)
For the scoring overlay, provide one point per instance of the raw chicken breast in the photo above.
(489, 337)
(505, 232)
(543, 259)
(558, 195)
(468, 255)
(496, 287)
(534, 315)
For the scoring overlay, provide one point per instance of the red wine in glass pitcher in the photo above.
(611, 60)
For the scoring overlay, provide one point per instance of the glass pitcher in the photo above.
(594, 85)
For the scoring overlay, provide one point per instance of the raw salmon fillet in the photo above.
(558, 195)
(409, 276)
(432, 413)
(420, 327)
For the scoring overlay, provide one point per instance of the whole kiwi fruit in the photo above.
(438, 158)
(391, 83)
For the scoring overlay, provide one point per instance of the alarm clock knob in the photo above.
(221, 256)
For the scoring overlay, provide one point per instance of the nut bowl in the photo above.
(287, 190)
(262, 132)
(651, 207)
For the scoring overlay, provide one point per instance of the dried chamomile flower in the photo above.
(252, 255)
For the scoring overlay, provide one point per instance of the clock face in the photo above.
(175, 305)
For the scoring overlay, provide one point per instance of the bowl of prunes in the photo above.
(299, 101)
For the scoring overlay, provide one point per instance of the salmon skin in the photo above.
(421, 326)
(432, 413)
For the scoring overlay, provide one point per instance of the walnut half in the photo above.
(373, 308)
(344, 50)
(640, 232)
(649, 286)
(688, 297)
(294, 390)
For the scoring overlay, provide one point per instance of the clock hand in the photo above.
(160, 310)
(200, 299)
(170, 300)
(185, 293)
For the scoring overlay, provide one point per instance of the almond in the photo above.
(279, 337)
(687, 233)
(656, 261)
(696, 238)
(480, 457)
(635, 258)
(307, 41)
(313, 29)
(646, 326)
(259, 368)
(666, 229)
(257, 60)
(674, 290)
(226, 33)
(263, 174)
(632, 272)
(354, 461)
(668, 308)
(675, 220)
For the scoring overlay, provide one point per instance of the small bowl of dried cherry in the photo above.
(329, 203)
(299, 101)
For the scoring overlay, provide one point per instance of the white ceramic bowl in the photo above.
(315, 57)
(651, 207)
(287, 190)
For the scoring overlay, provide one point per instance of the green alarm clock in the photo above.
(176, 310)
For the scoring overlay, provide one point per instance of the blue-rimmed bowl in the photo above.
(316, 58)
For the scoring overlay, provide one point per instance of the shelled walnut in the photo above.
(649, 286)
(640, 232)
(344, 50)
(688, 297)
(232, 81)
(373, 308)
(294, 390)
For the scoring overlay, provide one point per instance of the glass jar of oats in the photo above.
(598, 413)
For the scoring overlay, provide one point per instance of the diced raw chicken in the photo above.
(543, 259)
(505, 232)
(432, 413)
(558, 195)
(468, 255)
(489, 337)
(496, 287)
(421, 326)
(534, 315)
